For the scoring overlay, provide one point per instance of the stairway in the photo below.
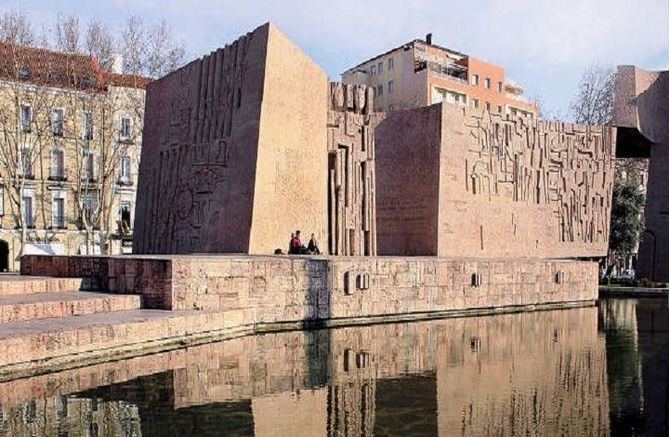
(47, 324)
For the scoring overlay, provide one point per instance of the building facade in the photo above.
(69, 154)
(420, 73)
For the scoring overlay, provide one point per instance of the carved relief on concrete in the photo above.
(189, 149)
(351, 179)
(564, 166)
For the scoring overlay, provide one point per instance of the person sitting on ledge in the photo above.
(296, 247)
(312, 247)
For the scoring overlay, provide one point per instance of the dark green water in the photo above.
(583, 372)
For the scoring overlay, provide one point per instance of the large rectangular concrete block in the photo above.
(235, 152)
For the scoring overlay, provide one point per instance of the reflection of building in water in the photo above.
(62, 416)
(531, 373)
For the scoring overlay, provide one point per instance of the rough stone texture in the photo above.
(641, 110)
(351, 178)
(22, 307)
(230, 140)
(271, 289)
(13, 284)
(47, 338)
(527, 373)
(494, 186)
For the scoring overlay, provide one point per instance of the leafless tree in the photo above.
(15, 27)
(151, 51)
(67, 33)
(593, 103)
(100, 43)
(25, 128)
(133, 43)
(163, 53)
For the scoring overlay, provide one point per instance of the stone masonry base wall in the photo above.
(257, 290)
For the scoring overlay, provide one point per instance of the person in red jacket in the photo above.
(296, 244)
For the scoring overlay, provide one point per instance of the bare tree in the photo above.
(100, 43)
(132, 41)
(151, 51)
(593, 103)
(25, 128)
(163, 53)
(15, 27)
(67, 33)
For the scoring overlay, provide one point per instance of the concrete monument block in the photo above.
(234, 156)
(465, 183)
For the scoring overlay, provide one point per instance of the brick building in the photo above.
(420, 73)
(69, 153)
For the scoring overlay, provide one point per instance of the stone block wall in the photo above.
(254, 290)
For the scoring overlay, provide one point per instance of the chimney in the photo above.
(428, 39)
(117, 63)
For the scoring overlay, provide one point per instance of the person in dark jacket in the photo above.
(312, 247)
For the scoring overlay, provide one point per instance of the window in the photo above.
(487, 106)
(126, 128)
(499, 87)
(57, 122)
(125, 213)
(26, 118)
(28, 216)
(90, 205)
(59, 213)
(89, 166)
(379, 90)
(24, 73)
(391, 86)
(2, 200)
(87, 126)
(57, 172)
(380, 67)
(499, 109)
(126, 169)
(487, 82)
(475, 103)
(25, 163)
(391, 63)
(372, 70)
(443, 95)
(475, 79)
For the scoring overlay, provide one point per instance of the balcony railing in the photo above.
(58, 174)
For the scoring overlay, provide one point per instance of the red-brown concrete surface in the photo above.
(642, 105)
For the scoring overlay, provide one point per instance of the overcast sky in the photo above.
(543, 44)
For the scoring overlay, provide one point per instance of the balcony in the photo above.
(58, 174)
(448, 71)
(125, 181)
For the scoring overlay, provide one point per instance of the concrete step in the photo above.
(23, 307)
(53, 343)
(11, 284)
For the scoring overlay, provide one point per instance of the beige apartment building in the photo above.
(70, 139)
(420, 73)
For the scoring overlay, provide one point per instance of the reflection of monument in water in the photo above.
(533, 373)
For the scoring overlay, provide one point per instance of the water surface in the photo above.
(583, 372)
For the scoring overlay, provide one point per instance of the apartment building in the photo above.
(70, 139)
(420, 73)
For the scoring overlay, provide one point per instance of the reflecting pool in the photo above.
(586, 371)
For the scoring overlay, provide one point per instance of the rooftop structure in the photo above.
(420, 73)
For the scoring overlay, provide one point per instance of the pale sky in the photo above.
(544, 45)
